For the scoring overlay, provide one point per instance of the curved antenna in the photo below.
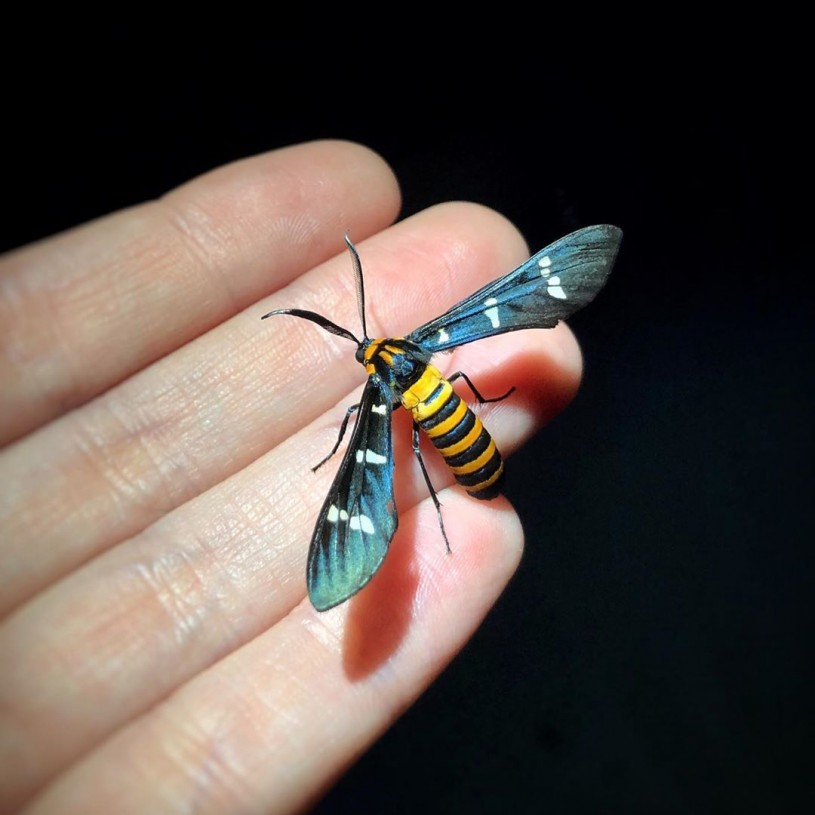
(360, 284)
(321, 321)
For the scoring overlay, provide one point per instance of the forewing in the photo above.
(358, 518)
(551, 285)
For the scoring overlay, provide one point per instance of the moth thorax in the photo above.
(397, 361)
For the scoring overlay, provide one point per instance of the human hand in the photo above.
(158, 652)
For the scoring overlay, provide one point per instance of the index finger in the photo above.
(86, 309)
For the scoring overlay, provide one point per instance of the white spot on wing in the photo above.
(553, 286)
(371, 457)
(333, 514)
(380, 409)
(362, 522)
(443, 336)
(492, 313)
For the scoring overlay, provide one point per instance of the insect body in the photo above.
(456, 432)
(358, 519)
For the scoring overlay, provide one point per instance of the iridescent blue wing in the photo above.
(548, 287)
(358, 518)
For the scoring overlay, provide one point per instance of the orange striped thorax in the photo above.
(455, 431)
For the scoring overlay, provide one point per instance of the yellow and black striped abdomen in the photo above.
(457, 433)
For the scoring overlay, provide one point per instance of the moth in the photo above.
(358, 518)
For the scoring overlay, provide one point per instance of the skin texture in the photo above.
(159, 654)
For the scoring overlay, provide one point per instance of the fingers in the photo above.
(269, 727)
(137, 623)
(106, 471)
(171, 457)
(82, 311)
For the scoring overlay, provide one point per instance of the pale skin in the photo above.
(158, 650)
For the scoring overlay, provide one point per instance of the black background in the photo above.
(654, 652)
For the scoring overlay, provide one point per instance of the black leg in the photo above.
(433, 495)
(343, 428)
(478, 396)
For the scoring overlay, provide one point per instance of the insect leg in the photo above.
(343, 428)
(478, 396)
(433, 495)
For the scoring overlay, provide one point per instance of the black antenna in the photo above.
(324, 322)
(360, 284)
